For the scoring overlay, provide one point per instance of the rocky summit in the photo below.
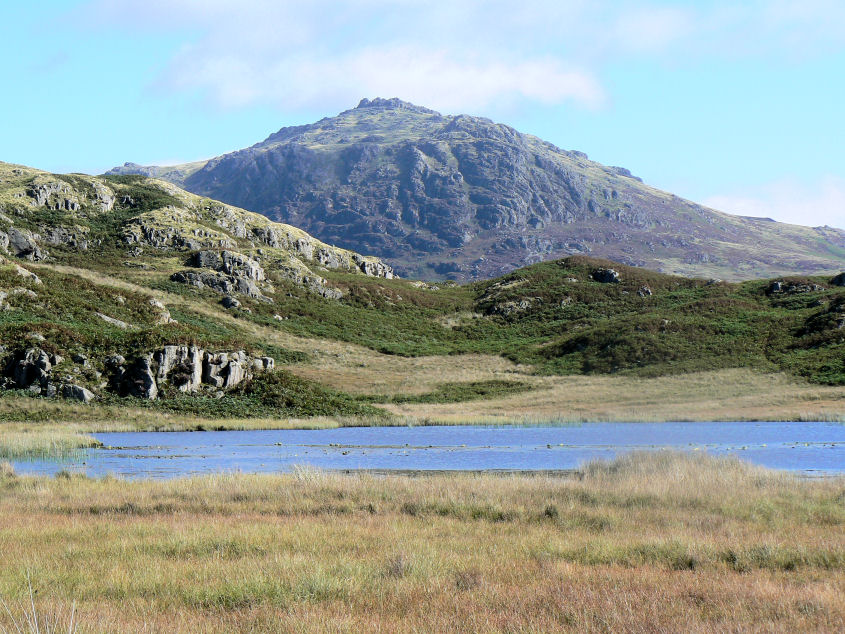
(463, 197)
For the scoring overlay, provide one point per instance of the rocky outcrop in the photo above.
(188, 369)
(220, 282)
(781, 287)
(230, 272)
(56, 195)
(70, 237)
(181, 366)
(839, 280)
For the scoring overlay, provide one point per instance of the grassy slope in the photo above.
(663, 542)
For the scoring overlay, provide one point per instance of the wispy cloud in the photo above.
(450, 55)
(789, 201)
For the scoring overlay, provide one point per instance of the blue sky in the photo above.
(735, 104)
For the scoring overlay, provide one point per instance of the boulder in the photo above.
(839, 280)
(644, 291)
(230, 302)
(23, 245)
(114, 322)
(241, 266)
(207, 260)
(77, 393)
(607, 276)
(26, 274)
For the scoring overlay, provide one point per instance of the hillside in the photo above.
(122, 287)
(465, 198)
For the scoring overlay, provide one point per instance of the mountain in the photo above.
(466, 198)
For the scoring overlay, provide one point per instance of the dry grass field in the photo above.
(659, 542)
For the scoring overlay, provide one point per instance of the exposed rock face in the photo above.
(182, 366)
(187, 368)
(467, 198)
(220, 282)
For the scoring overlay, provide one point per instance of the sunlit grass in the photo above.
(660, 541)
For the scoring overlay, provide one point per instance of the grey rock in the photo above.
(114, 322)
(63, 236)
(115, 361)
(213, 368)
(164, 314)
(57, 195)
(27, 274)
(139, 379)
(25, 292)
(606, 276)
(23, 244)
(33, 367)
(77, 393)
(792, 288)
(230, 302)
(207, 260)
(644, 291)
(180, 365)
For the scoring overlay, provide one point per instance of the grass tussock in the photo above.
(695, 543)
(43, 444)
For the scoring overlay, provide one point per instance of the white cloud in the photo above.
(789, 201)
(453, 55)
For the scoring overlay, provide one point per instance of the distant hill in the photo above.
(465, 198)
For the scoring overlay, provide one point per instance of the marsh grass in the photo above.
(35, 444)
(661, 541)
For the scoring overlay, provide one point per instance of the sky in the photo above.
(737, 105)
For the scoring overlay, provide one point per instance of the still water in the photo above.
(812, 448)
